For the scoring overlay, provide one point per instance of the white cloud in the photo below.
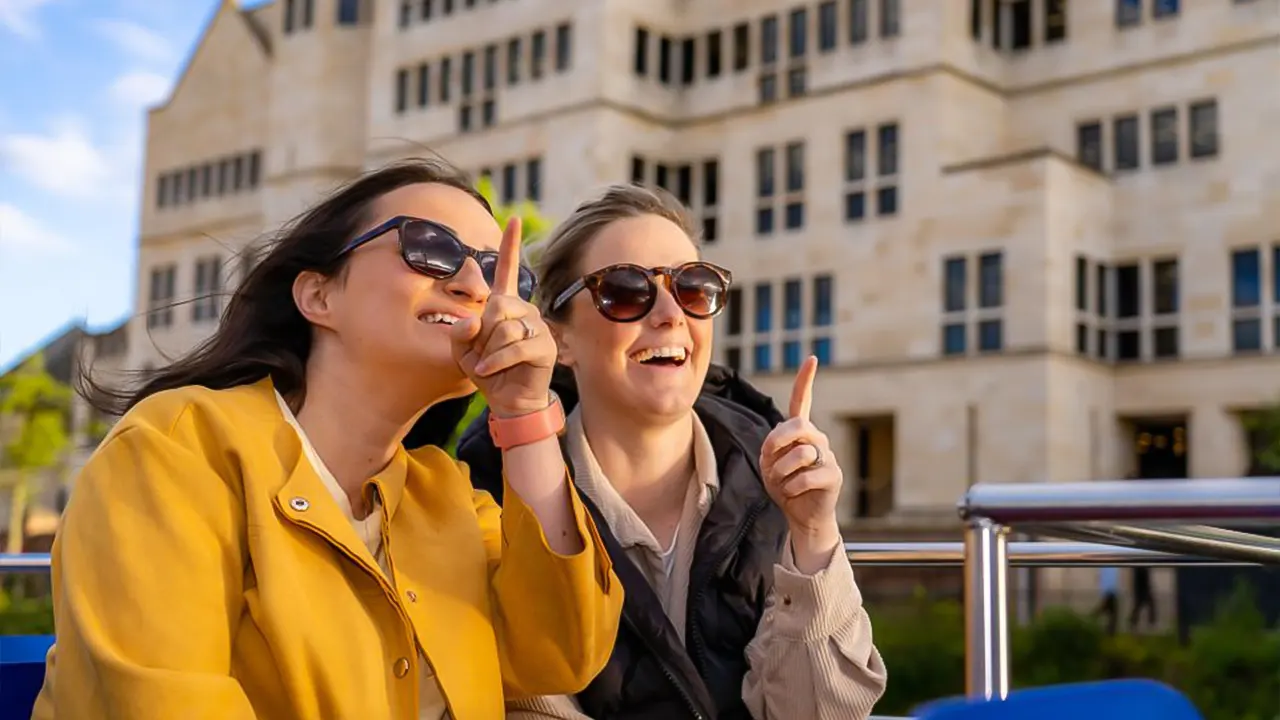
(139, 41)
(140, 89)
(21, 233)
(18, 17)
(64, 161)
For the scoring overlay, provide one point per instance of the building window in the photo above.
(406, 13)
(1128, 279)
(855, 175)
(763, 358)
(764, 308)
(1055, 21)
(564, 47)
(823, 301)
(1128, 13)
(468, 73)
(985, 315)
(1164, 136)
(446, 79)
(741, 47)
(160, 298)
(791, 355)
(308, 14)
(1089, 144)
(684, 184)
(827, 26)
(769, 40)
(464, 118)
(1164, 8)
(488, 113)
(348, 12)
(1125, 131)
(637, 170)
(798, 40)
(255, 169)
(714, 41)
(533, 180)
(792, 301)
(954, 302)
(424, 84)
(539, 54)
(660, 176)
(768, 88)
(490, 68)
(887, 169)
(796, 82)
(640, 62)
(1204, 129)
(290, 11)
(733, 358)
(1165, 304)
(688, 61)
(890, 22)
(765, 190)
(664, 60)
(402, 90)
(1246, 300)
(508, 184)
(733, 316)
(514, 51)
(1082, 305)
(207, 304)
(710, 200)
(822, 349)
(794, 204)
(858, 22)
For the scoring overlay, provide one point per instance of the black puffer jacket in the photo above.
(651, 674)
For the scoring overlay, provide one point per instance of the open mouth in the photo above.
(662, 357)
(439, 319)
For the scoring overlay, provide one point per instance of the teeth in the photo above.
(675, 353)
(440, 318)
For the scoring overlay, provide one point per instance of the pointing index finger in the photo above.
(802, 391)
(506, 277)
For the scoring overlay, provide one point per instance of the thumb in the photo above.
(465, 331)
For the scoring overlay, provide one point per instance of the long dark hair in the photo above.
(262, 333)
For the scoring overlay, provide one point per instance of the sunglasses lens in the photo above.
(430, 250)
(700, 290)
(624, 294)
(489, 269)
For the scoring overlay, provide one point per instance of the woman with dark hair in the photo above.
(252, 540)
(718, 511)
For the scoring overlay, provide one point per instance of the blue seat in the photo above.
(21, 673)
(1106, 700)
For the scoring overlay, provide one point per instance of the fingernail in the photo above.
(481, 368)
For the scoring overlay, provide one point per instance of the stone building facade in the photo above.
(1030, 240)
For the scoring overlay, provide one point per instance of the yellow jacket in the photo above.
(203, 570)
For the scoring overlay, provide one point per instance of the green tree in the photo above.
(34, 408)
(535, 226)
(1263, 427)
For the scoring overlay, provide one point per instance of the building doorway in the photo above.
(874, 465)
(1160, 447)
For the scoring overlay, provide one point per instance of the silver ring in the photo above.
(818, 458)
(529, 332)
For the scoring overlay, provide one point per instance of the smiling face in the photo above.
(652, 368)
(389, 319)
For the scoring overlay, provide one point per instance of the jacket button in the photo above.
(300, 504)
(413, 596)
(401, 668)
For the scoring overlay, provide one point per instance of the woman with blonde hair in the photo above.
(719, 513)
(252, 541)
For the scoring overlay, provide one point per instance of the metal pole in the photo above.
(986, 610)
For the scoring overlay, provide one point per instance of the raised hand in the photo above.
(801, 474)
(508, 352)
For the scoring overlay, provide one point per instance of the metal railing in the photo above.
(1127, 523)
(1167, 516)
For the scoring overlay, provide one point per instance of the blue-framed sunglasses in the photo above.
(434, 250)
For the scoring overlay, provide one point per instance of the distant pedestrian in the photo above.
(1109, 606)
(1143, 598)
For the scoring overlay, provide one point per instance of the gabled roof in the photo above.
(252, 20)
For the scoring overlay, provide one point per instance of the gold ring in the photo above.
(529, 332)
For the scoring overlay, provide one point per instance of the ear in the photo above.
(311, 295)
(563, 349)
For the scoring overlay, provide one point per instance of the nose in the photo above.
(469, 283)
(666, 311)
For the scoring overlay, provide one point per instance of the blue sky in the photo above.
(76, 77)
